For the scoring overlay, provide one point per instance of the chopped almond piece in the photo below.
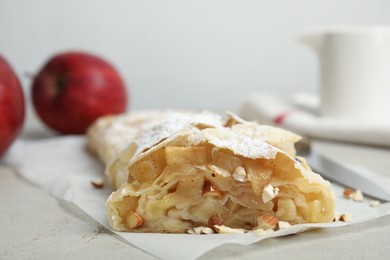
(337, 216)
(269, 193)
(98, 183)
(374, 203)
(214, 220)
(346, 217)
(348, 192)
(239, 174)
(355, 195)
(133, 220)
(267, 221)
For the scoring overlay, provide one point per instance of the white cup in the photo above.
(355, 72)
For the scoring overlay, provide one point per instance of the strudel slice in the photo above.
(174, 172)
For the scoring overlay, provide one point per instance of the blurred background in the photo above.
(204, 54)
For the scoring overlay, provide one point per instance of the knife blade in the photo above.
(336, 172)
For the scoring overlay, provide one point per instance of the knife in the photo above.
(336, 172)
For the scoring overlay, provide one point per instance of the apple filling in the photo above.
(177, 188)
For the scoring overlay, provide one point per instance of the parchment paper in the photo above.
(64, 168)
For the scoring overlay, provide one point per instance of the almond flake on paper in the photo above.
(97, 183)
(355, 195)
(337, 216)
(374, 203)
(346, 217)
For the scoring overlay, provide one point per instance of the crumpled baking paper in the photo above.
(63, 167)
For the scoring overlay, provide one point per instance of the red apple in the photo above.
(73, 89)
(11, 106)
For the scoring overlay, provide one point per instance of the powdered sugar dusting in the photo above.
(267, 133)
(239, 144)
(154, 132)
(213, 131)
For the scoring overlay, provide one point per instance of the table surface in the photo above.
(35, 225)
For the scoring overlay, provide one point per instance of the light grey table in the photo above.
(35, 225)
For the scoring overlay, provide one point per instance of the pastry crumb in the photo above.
(374, 203)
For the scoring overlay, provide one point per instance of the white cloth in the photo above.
(298, 115)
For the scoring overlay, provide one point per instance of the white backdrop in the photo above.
(203, 54)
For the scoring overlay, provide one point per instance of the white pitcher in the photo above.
(355, 72)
